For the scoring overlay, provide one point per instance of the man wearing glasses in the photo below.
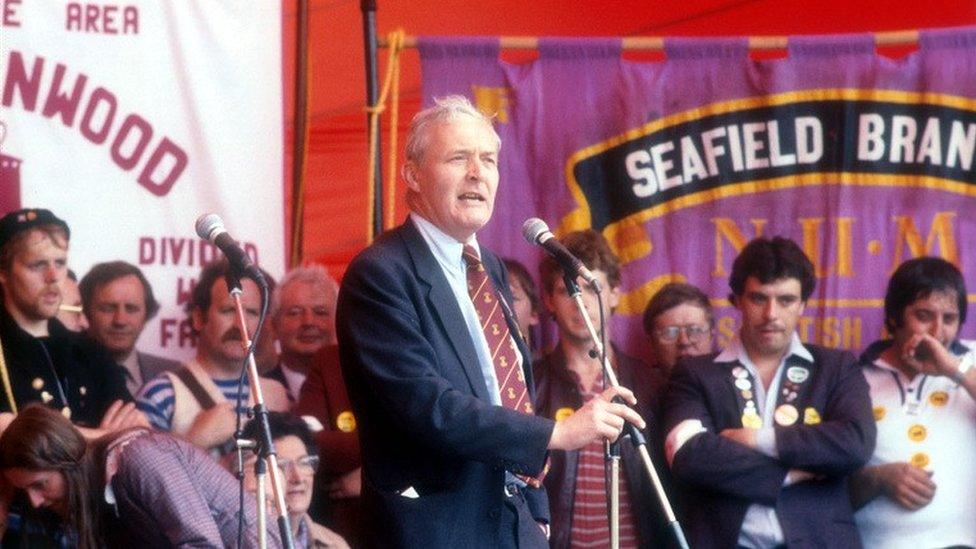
(295, 448)
(679, 323)
(567, 378)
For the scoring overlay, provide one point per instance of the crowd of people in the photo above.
(416, 405)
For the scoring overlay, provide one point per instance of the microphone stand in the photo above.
(630, 430)
(612, 457)
(264, 446)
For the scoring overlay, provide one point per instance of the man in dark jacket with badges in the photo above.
(42, 360)
(764, 434)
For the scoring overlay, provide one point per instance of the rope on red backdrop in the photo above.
(656, 43)
(5, 379)
(391, 88)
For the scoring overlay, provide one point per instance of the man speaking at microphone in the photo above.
(438, 376)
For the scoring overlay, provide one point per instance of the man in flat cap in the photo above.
(41, 359)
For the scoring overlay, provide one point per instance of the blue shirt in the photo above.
(448, 253)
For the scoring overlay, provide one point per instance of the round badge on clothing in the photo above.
(743, 384)
(37, 383)
(563, 413)
(739, 372)
(939, 398)
(346, 422)
(917, 433)
(797, 374)
(751, 420)
(879, 413)
(920, 460)
(786, 415)
(811, 416)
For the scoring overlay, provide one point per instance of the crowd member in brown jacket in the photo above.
(565, 379)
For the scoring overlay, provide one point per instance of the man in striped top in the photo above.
(196, 402)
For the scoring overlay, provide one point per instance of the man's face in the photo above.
(770, 313)
(681, 331)
(563, 308)
(44, 489)
(118, 314)
(306, 320)
(297, 477)
(220, 339)
(523, 307)
(69, 312)
(457, 178)
(936, 314)
(32, 285)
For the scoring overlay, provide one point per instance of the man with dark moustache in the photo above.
(764, 435)
(438, 377)
(197, 401)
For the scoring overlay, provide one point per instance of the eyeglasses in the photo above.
(694, 332)
(304, 464)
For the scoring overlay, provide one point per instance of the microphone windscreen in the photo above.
(533, 228)
(209, 226)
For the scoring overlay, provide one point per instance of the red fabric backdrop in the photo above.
(335, 203)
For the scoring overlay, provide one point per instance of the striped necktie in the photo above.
(511, 378)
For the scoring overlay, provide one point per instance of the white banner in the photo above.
(129, 120)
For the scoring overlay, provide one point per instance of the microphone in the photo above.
(536, 232)
(211, 228)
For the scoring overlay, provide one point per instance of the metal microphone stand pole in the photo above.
(265, 446)
(260, 472)
(612, 456)
(611, 450)
(636, 437)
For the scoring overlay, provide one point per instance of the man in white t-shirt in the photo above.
(919, 488)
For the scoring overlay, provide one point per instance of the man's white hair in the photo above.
(445, 109)
(309, 274)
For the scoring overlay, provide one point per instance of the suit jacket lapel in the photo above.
(446, 308)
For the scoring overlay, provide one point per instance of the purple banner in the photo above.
(864, 160)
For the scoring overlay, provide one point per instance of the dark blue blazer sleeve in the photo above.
(844, 441)
(711, 461)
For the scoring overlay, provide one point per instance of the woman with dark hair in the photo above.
(131, 488)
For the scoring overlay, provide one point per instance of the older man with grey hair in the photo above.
(438, 376)
(303, 316)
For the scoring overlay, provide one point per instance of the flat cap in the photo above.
(25, 219)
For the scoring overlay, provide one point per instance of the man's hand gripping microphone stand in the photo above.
(630, 430)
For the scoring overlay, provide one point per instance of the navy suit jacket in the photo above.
(723, 478)
(421, 402)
